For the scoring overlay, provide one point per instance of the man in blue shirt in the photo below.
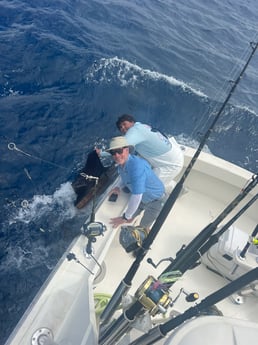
(164, 154)
(147, 190)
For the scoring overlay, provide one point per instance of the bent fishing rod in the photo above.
(159, 332)
(185, 260)
(126, 283)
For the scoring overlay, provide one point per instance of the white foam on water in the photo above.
(40, 205)
(129, 74)
(185, 140)
(21, 257)
(247, 109)
(29, 250)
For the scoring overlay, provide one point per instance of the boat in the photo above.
(68, 307)
(193, 279)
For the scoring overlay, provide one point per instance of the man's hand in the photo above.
(115, 222)
(115, 190)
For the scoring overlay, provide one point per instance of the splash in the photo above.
(61, 202)
(126, 74)
(38, 230)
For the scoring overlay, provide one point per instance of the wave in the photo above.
(129, 74)
(247, 109)
(124, 74)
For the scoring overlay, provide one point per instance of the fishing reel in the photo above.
(92, 230)
(153, 296)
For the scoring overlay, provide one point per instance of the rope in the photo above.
(101, 300)
(138, 233)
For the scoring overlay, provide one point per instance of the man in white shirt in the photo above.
(164, 154)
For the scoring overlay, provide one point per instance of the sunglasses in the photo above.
(115, 151)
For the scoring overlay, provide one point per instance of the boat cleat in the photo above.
(43, 336)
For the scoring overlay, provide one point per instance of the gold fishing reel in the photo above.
(153, 296)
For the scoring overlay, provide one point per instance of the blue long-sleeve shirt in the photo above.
(138, 176)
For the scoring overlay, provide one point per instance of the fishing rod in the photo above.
(195, 256)
(159, 332)
(187, 256)
(184, 260)
(126, 283)
(96, 179)
(214, 238)
(246, 247)
(92, 229)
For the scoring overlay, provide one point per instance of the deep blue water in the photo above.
(68, 69)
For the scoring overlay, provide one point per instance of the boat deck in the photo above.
(192, 212)
(203, 199)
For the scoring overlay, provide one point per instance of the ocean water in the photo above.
(68, 69)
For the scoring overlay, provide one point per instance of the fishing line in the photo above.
(13, 147)
(25, 203)
(224, 89)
